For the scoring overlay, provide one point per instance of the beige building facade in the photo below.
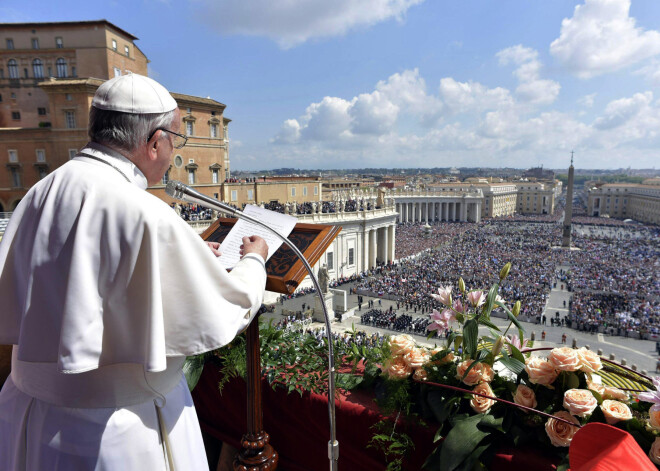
(537, 197)
(37, 143)
(640, 202)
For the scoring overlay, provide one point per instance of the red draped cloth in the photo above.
(299, 428)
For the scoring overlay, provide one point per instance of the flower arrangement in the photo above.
(491, 391)
(479, 392)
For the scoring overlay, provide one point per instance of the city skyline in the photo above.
(407, 83)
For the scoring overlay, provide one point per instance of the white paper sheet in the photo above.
(230, 247)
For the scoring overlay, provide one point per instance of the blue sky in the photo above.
(406, 83)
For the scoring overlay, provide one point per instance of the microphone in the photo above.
(179, 191)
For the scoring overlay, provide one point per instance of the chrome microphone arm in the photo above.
(178, 190)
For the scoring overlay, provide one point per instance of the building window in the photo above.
(117, 71)
(250, 195)
(13, 156)
(58, 43)
(351, 256)
(304, 191)
(127, 51)
(72, 153)
(61, 68)
(73, 71)
(189, 128)
(10, 43)
(114, 44)
(15, 177)
(43, 172)
(68, 97)
(214, 175)
(214, 130)
(12, 67)
(25, 73)
(316, 191)
(0, 96)
(191, 176)
(234, 195)
(38, 68)
(330, 261)
(70, 118)
(13, 96)
(35, 43)
(293, 191)
(41, 155)
(16, 115)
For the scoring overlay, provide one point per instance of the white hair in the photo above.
(126, 131)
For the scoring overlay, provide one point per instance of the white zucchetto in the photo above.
(133, 93)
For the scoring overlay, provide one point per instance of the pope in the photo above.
(105, 291)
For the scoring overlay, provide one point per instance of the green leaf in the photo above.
(573, 381)
(511, 363)
(490, 300)
(488, 323)
(192, 369)
(597, 395)
(471, 336)
(491, 422)
(461, 442)
(515, 353)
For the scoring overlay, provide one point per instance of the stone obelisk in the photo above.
(568, 212)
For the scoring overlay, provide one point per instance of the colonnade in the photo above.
(378, 245)
(432, 210)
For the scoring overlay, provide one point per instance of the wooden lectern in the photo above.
(284, 273)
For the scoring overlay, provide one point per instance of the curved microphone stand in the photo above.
(178, 190)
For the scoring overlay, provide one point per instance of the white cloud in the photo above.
(587, 100)
(464, 97)
(532, 88)
(619, 112)
(602, 37)
(293, 22)
(373, 113)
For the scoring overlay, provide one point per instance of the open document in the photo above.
(230, 247)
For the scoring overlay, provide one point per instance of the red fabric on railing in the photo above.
(299, 428)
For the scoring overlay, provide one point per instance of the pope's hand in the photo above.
(254, 244)
(214, 246)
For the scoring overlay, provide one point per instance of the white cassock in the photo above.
(103, 292)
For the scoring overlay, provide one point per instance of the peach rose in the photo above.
(416, 358)
(580, 402)
(420, 375)
(654, 418)
(540, 371)
(654, 452)
(401, 344)
(397, 368)
(599, 388)
(482, 404)
(611, 392)
(589, 361)
(615, 411)
(525, 397)
(564, 359)
(479, 373)
(561, 433)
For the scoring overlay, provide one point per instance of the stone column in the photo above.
(463, 216)
(366, 247)
(477, 213)
(428, 211)
(453, 212)
(385, 245)
(391, 238)
(373, 244)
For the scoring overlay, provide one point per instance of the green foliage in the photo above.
(394, 445)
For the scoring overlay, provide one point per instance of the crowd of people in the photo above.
(412, 239)
(388, 319)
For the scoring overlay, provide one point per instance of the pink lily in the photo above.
(444, 295)
(441, 320)
(652, 396)
(476, 298)
(515, 341)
